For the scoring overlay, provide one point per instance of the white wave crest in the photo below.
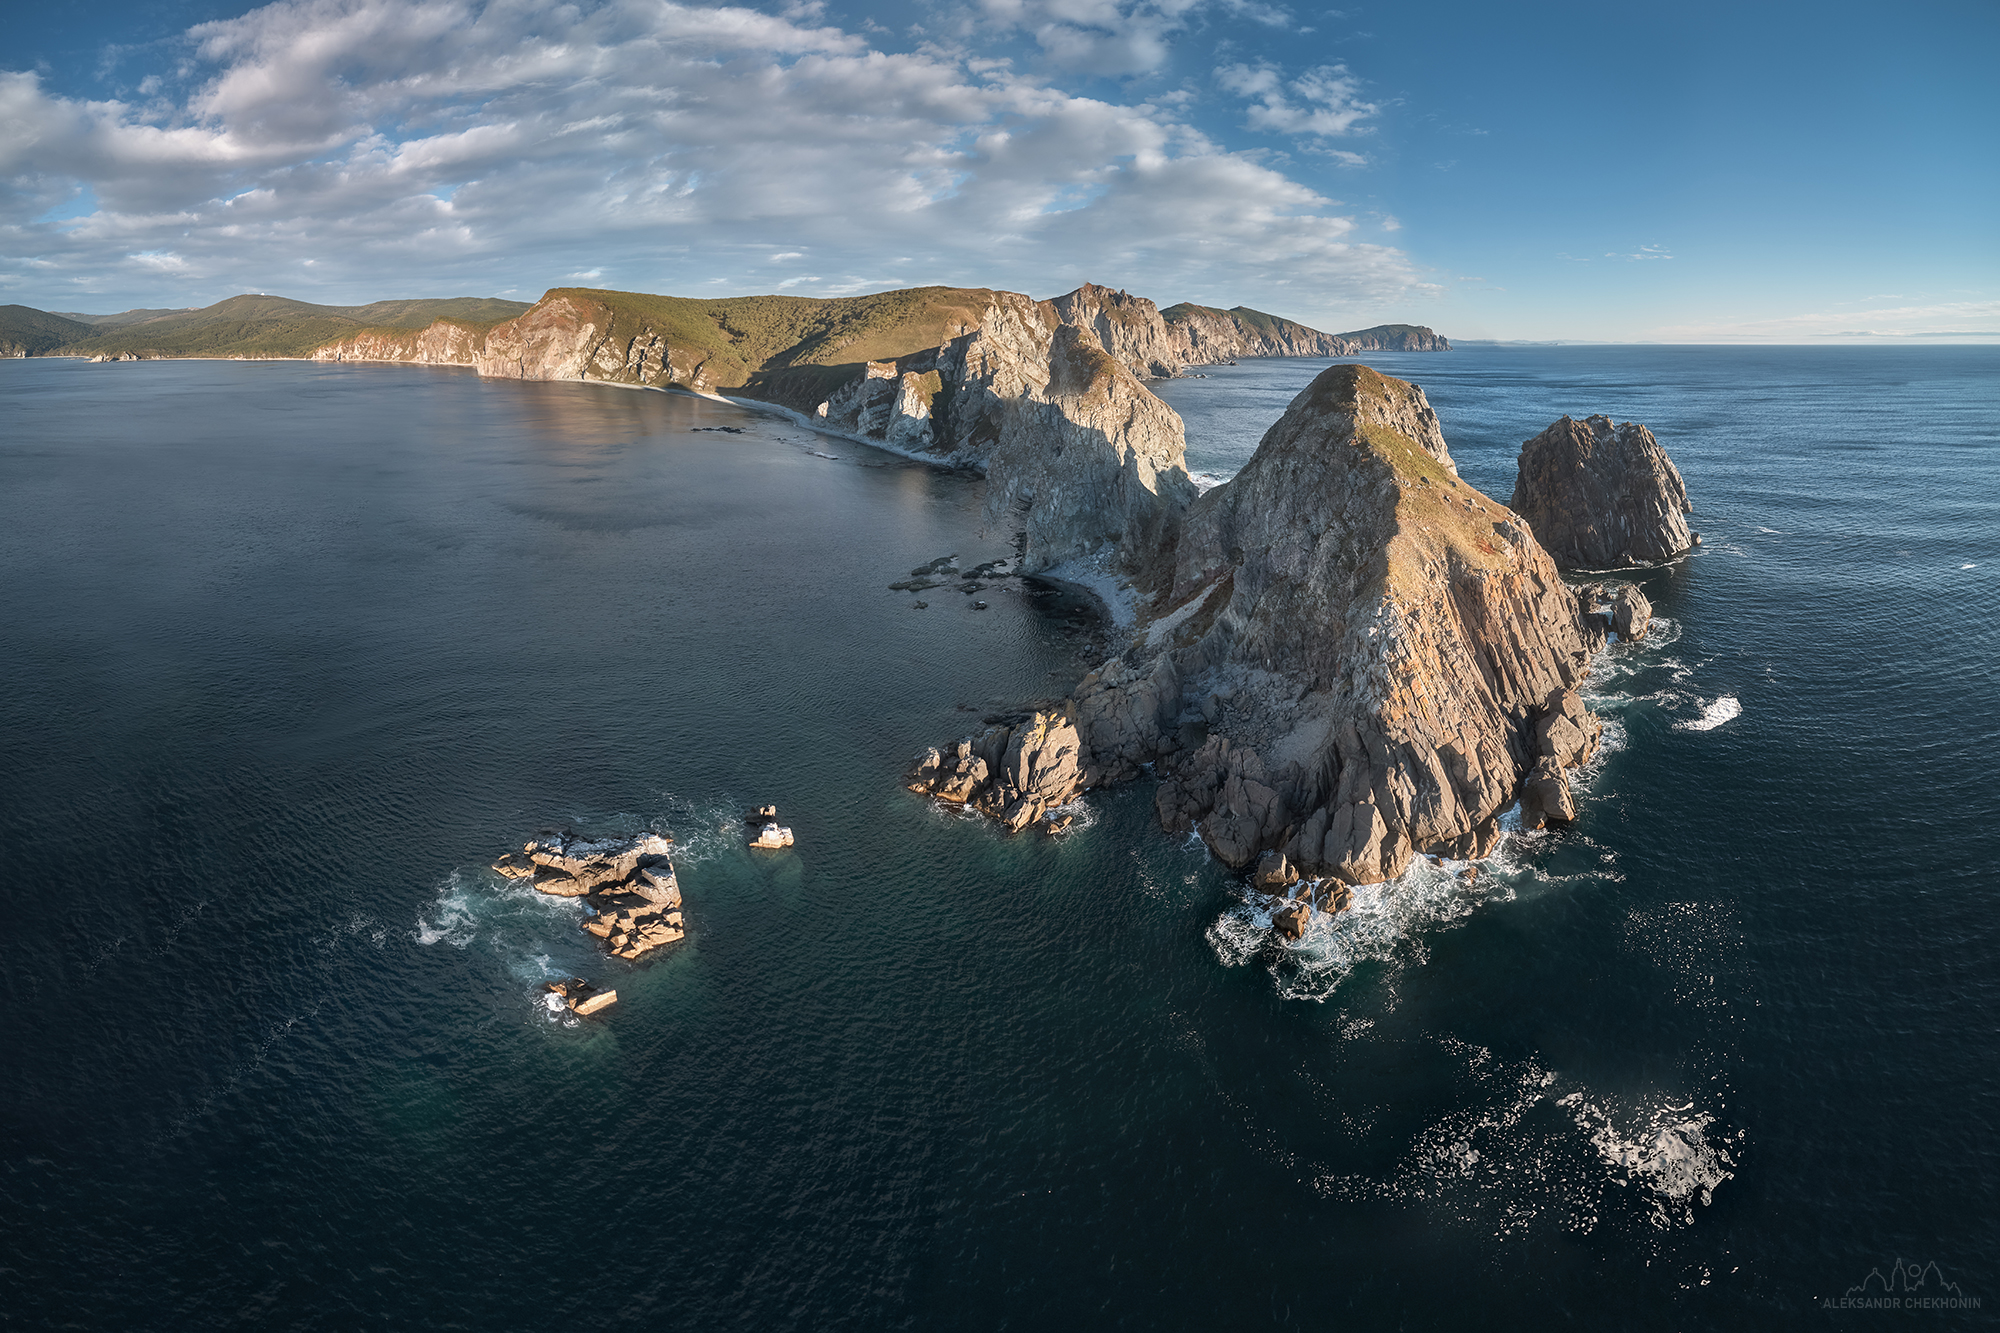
(1713, 715)
(1386, 923)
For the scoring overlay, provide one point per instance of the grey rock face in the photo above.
(1128, 327)
(1599, 495)
(1631, 613)
(1014, 774)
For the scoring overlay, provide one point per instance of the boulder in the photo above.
(1545, 795)
(582, 996)
(514, 866)
(770, 836)
(559, 883)
(1291, 920)
(1631, 613)
(1567, 729)
(1274, 873)
(1600, 495)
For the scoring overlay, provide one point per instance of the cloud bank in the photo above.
(350, 149)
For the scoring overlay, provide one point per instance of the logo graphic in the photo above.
(1904, 1287)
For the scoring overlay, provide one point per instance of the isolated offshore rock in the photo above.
(763, 830)
(1599, 495)
(1381, 634)
(1016, 774)
(634, 895)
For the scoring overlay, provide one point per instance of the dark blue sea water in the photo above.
(293, 651)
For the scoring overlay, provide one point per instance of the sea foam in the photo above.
(1713, 715)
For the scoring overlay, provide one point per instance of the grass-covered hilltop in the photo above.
(788, 348)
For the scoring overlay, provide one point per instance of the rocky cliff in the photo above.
(1350, 656)
(1599, 495)
(1129, 328)
(1203, 335)
(1396, 338)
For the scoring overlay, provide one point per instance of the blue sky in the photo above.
(1697, 172)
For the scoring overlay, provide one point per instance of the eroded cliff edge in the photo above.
(1345, 653)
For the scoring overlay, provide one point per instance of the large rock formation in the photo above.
(1079, 455)
(1015, 773)
(634, 895)
(1128, 327)
(1351, 656)
(1599, 495)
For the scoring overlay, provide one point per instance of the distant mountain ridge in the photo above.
(775, 342)
(242, 326)
(26, 331)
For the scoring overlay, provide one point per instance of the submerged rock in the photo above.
(1599, 495)
(581, 996)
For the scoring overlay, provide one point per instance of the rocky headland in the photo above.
(1205, 336)
(1599, 495)
(1343, 658)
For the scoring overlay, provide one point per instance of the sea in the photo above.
(292, 652)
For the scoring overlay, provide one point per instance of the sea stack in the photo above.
(1600, 495)
(1350, 656)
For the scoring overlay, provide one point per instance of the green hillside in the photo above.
(277, 326)
(25, 331)
(787, 348)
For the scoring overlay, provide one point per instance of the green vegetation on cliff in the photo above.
(744, 337)
(795, 349)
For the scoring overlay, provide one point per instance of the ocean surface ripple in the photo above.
(294, 651)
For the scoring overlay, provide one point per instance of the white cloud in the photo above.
(452, 145)
(1324, 102)
(1944, 319)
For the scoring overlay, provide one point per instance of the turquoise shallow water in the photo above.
(293, 651)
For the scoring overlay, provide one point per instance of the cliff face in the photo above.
(1396, 338)
(1353, 656)
(1078, 454)
(1599, 494)
(1204, 336)
(1128, 327)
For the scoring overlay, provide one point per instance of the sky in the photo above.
(1696, 172)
